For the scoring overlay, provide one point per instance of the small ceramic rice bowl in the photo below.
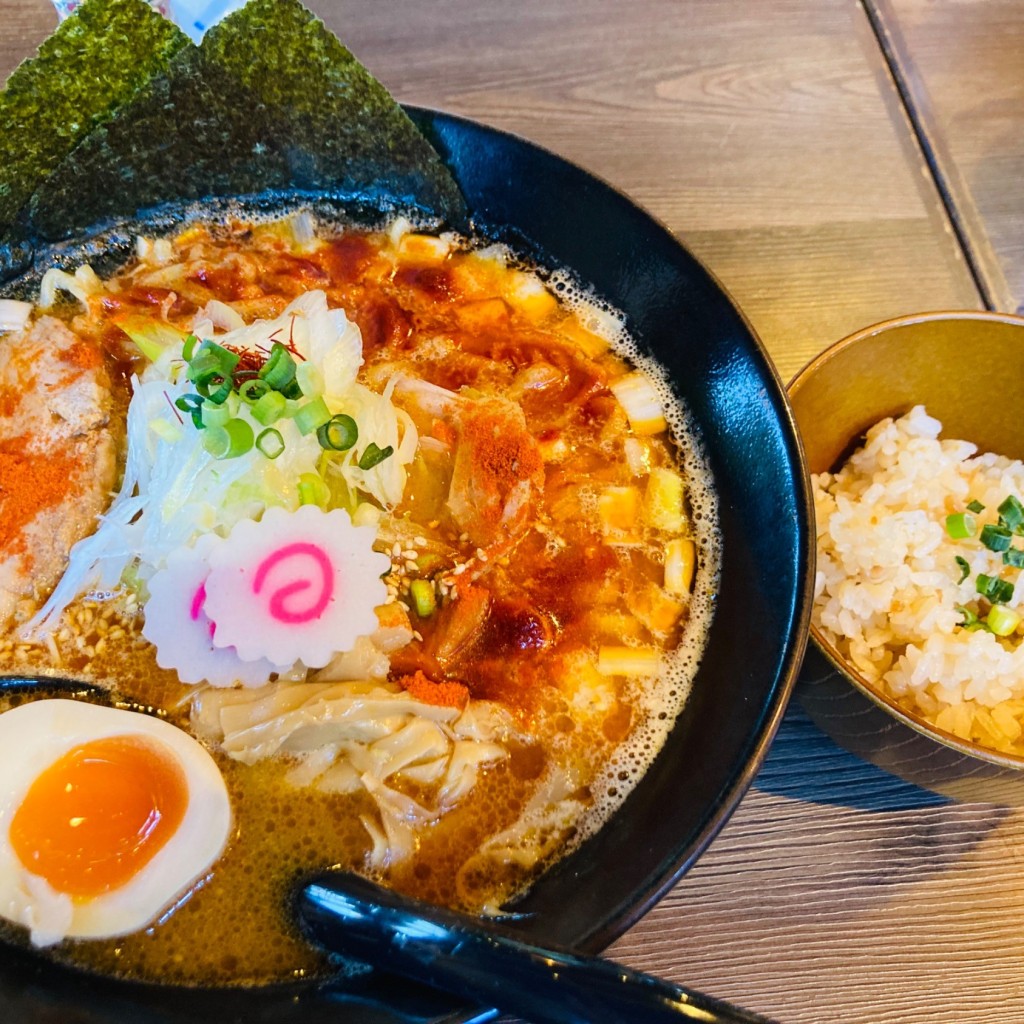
(913, 437)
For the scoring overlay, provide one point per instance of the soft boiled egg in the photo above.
(107, 817)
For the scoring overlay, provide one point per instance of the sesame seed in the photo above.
(459, 569)
(420, 542)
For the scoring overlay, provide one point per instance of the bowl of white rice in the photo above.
(914, 436)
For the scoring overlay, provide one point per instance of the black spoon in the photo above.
(483, 963)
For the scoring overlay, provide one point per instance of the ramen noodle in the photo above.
(405, 533)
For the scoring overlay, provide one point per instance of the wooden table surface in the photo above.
(775, 141)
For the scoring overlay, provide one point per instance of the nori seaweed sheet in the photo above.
(90, 67)
(270, 101)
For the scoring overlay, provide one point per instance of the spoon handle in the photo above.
(461, 955)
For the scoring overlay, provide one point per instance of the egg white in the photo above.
(35, 735)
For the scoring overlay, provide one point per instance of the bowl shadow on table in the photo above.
(965, 367)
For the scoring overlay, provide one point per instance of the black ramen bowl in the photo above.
(560, 216)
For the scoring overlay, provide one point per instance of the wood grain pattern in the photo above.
(963, 65)
(769, 138)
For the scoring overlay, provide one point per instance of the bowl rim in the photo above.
(835, 659)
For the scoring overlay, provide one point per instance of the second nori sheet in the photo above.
(271, 101)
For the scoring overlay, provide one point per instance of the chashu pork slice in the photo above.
(57, 457)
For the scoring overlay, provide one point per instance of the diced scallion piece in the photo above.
(975, 507)
(1014, 557)
(374, 455)
(270, 442)
(1011, 512)
(663, 500)
(996, 538)
(1002, 620)
(627, 661)
(270, 408)
(313, 490)
(338, 434)
(965, 568)
(680, 563)
(961, 525)
(312, 415)
(996, 590)
(641, 403)
(233, 439)
(970, 620)
(423, 597)
(214, 415)
(253, 390)
(279, 369)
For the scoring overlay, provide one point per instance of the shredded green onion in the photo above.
(312, 415)
(189, 347)
(423, 598)
(996, 538)
(965, 568)
(996, 590)
(961, 525)
(374, 455)
(233, 439)
(338, 434)
(270, 442)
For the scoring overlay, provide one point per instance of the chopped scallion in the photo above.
(193, 405)
(961, 525)
(312, 490)
(996, 538)
(423, 597)
(1001, 620)
(270, 442)
(338, 434)
(1014, 557)
(965, 568)
(279, 369)
(312, 415)
(975, 507)
(233, 439)
(970, 619)
(253, 390)
(1012, 511)
(214, 415)
(996, 590)
(374, 455)
(270, 408)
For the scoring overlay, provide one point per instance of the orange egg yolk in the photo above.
(93, 819)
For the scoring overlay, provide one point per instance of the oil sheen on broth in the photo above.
(553, 554)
